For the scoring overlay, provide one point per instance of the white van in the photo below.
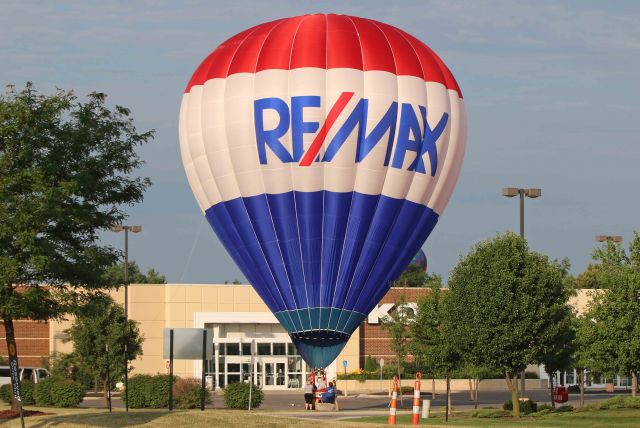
(34, 374)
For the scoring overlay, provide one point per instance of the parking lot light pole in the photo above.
(533, 193)
(612, 238)
(126, 229)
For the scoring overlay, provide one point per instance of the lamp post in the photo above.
(126, 229)
(533, 193)
(612, 238)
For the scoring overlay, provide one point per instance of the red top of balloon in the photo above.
(324, 41)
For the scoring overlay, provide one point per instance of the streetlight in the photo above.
(533, 193)
(126, 229)
(604, 238)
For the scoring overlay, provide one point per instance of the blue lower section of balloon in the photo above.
(329, 255)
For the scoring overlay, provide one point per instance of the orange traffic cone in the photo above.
(415, 419)
(393, 406)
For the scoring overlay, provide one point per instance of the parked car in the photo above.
(34, 374)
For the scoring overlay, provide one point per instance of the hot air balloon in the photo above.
(420, 259)
(322, 149)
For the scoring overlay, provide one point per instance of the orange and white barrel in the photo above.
(415, 419)
(393, 406)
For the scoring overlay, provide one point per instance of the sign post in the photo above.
(187, 344)
(170, 369)
(204, 368)
(14, 370)
(344, 364)
(253, 343)
(381, 366)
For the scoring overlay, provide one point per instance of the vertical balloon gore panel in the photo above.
(322, 150)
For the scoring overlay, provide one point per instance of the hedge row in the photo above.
(147, 391)
(56, 392)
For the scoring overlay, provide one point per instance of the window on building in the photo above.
(279, 349)
(291, 349)
(246, 349)
(233, 368)
(233, 378)
(233, 349)
(264, 349)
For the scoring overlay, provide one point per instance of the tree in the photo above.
(430, 340)
(99, 335)
(558, 353)
(614, 316)
(504, 301)
(65, 172)
(582, 358)
(415, 276)
(397, 324)
(115, 275)
(589, 278)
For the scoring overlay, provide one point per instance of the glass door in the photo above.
(269, 374)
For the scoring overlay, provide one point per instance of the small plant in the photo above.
(526, 406)
(543, 407)
(236, 396)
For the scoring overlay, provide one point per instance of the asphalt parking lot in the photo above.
(294, 401)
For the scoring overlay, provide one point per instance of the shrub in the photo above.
(543, 407)
(139, 385)
(236, 396)
(187, 394)
(370, 364)
(66, 393)
(5, 393)
(564, 408)
(526, 406)
(621, 402)
(490, 413)
(42, 393)
(158, 391)
(26, 387)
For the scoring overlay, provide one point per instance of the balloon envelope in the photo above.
(420, 259)
(322, 150)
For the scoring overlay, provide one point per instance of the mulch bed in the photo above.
(11, 414)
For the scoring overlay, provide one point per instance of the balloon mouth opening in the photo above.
(319, 348)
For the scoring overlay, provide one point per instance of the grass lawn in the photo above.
(161, 418)
(592, 418)
(232, 418)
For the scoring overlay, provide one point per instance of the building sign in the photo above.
(381, 311)
(187, 343)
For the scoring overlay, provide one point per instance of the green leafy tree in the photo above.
(99, 335)
(582, 358)
(115, 275)
(589, 279)
(430, 341)
(65, 172)
(415, 276)
(397, 323)
(614, 316)
(504, 301)
(558, 354)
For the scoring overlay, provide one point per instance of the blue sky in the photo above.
(551, 89)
